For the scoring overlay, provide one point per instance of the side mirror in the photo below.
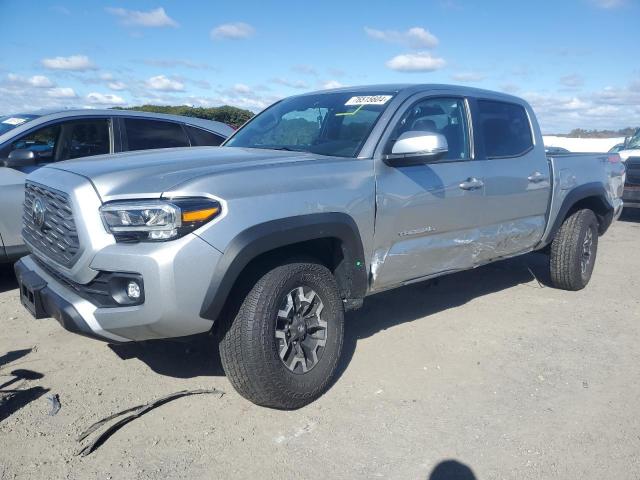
(626, 141)
(416, 148)
(21, 157)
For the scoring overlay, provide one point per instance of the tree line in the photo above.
(232, 116)
(584, 133)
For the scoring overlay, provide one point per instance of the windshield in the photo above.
(635, 141)
(12, 121)
(335, 124)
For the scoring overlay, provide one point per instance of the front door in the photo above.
(429, 216)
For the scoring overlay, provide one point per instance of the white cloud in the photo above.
(60, 9)
(172, 63)
(608, 108)
(241, 88)
(165, 84)
(416, 62)
(234, 31)
(329, 84)
(290, 83)
(62, 92)
(117, 85)
(38, 81)
(304, 69)
(509, 88)
(572, 81)
(609, 3)
(105, 99)
(78, 63)
(468, 77)
(415, 37)
(136, 18)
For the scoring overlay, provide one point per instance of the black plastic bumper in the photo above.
(631, 196)
(42, 302)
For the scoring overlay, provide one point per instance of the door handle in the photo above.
(537, 177)
(472, 184)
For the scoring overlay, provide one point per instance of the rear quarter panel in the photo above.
(571, 171)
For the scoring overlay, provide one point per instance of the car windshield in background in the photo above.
(12, 121)
(634, 142)
(335, 124)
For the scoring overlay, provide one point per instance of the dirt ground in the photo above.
(488, 374)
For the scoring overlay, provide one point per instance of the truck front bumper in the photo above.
(176, 277)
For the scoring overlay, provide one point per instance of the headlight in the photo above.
(157, 220)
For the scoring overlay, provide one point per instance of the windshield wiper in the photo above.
(286, 149)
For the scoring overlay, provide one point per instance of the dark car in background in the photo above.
(555, 150)
(32, 140)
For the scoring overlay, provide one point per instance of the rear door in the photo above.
(517, 184)
(428, 216)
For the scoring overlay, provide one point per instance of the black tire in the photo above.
(250, 351)
(569, 265)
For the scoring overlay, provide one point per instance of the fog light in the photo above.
(133, 290)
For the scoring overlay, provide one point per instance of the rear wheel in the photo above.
(573, 251)
(282, 348)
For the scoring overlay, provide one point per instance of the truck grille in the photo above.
(48, 224)
(633, 171)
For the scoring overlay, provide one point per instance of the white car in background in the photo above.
(31, 141)
(631, 147)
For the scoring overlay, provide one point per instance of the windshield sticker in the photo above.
(369, 100)
(345, 114)
(14, 121)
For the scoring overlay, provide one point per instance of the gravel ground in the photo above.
(487, 374)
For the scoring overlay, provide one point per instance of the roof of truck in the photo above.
(410, 88)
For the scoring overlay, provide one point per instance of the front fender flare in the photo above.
(271, 235)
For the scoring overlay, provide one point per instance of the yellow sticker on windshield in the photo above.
(369, 100)
(344, 114)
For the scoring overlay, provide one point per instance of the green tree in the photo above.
(232, 116)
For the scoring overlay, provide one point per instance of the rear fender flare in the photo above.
(589, 190)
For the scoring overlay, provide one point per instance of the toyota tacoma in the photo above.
(317, 202)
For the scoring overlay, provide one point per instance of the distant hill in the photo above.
(582, 133)
(232, 116)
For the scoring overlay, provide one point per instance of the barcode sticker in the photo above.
(369, 100)
(14, 121)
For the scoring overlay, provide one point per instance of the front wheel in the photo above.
(282, 348)
(573, 251)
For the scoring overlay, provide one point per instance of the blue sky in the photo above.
(576, 61)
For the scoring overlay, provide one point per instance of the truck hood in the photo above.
(149, 173)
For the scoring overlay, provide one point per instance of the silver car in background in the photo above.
(30, 141)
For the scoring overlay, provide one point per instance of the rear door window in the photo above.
(143, 134)
(505, 127)
(201, 138)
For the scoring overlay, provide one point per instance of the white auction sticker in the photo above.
(369, 100)
(14, 121)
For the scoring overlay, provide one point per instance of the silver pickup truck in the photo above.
(319, 201)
